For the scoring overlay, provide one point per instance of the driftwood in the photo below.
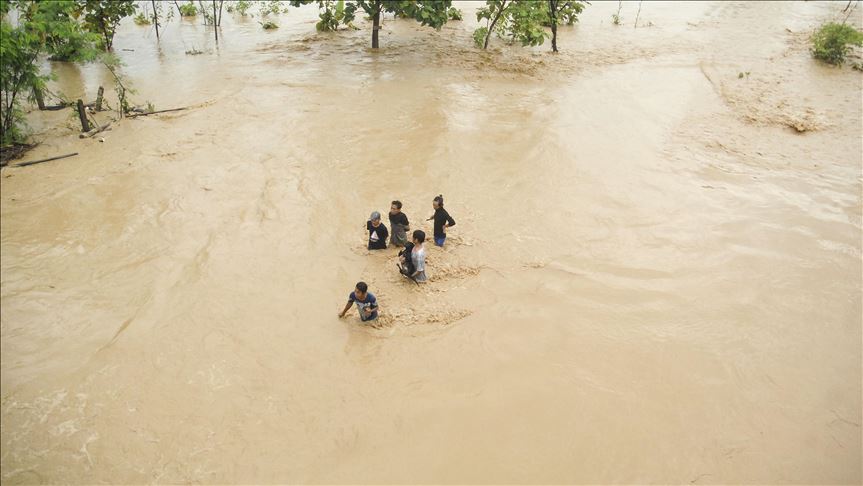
(34, 162)
(94, 131)
(157, 111)
(14, 151)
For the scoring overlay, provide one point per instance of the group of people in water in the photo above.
(411, 256)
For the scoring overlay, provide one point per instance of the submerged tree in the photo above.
(427, 12)
(562, 11)
(525, 20)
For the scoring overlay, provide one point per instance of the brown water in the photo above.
(653, 278)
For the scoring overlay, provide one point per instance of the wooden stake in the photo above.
(98, 105)
(82, 115)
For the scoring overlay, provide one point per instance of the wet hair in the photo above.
(362, 287)
(439, 200)
(420, 235)
(397, 204)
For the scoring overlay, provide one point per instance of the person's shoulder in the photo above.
(370, 297)
(353, 296)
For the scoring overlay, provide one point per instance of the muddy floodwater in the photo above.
(655, 275)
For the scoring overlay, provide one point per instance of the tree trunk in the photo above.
(82, 115)
(155, 19)
(376, 27)
(493, 22)
(215, 24)
(552, 12)
(40, 99)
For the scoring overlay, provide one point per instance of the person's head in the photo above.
(375, 218)
(419, 237)
(361, 290)
(437, 202)
(395, 207)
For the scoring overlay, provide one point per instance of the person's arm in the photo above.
(347, 306)
(384, 232)
(449, 221)
(407, 223)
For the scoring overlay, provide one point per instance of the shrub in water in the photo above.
(188, 10)
(832, 41)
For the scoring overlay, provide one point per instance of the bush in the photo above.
(479, 36)
(269, 25)
(188, 10)
(454, 14)
(831, 43)
(142, 19)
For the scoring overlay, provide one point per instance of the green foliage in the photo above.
(142, 19)
(432, 13)
(333, 13)
(616, 19)
(268, 25)
(523, 22)
(493, 11)
(188, 10)
(42, 28)
(54, 22)
(454, 14)
(271, 7)
(103, 16)
(568, 11)
(831, 43)
(113, 64)
(479, 36)
(242, 7)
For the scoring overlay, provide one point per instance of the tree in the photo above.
(492, 12)
(103, 17)
(427, 12)
(525, 20)
(563, 10)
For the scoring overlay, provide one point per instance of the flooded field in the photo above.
(655, 275)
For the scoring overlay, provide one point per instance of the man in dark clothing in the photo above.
(399, 224)
(366, 303)
(377, 232)
(442, 221)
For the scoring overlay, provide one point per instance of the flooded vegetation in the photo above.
(655, 275)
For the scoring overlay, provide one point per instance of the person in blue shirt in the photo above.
(366, 302)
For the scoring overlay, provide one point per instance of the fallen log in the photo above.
(34, 162)
(157, 111)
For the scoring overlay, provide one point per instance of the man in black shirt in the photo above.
(442, 221)
(399, 223)
(377, 232)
